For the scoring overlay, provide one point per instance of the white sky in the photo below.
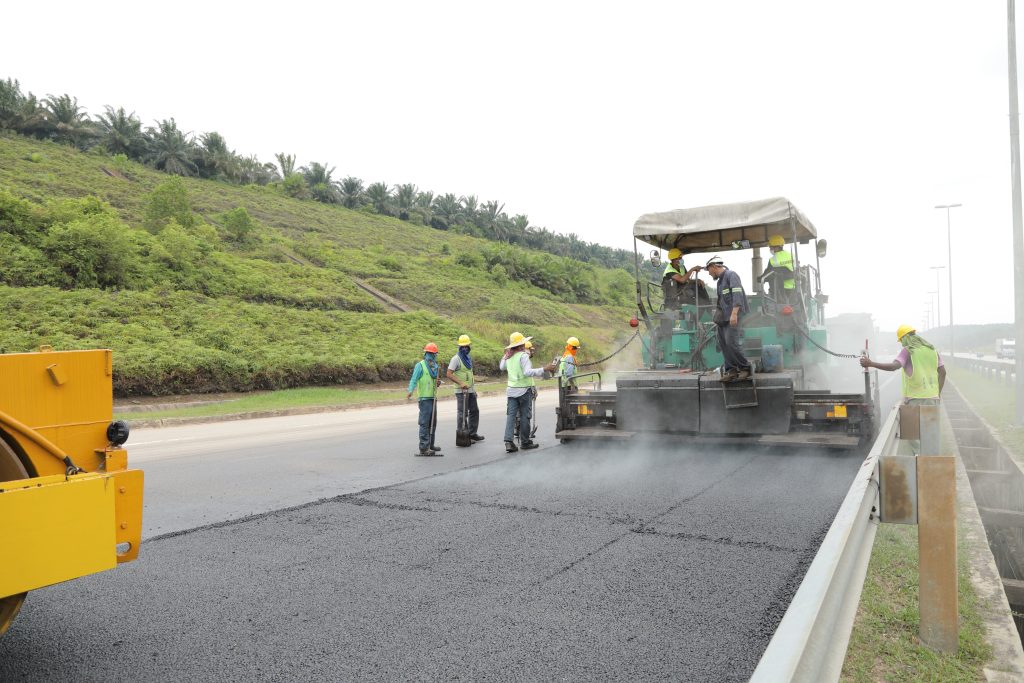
(585, 115)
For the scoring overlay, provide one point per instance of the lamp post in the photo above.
(1018, 238)
(938, 295)
(949, 263)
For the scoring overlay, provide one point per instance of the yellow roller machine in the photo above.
(69, 505)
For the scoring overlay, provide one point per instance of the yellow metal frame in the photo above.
(63, 522)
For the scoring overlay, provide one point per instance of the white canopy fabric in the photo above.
(714, 228)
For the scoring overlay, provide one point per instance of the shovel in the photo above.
(462, 435)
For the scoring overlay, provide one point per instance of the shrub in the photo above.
(93, 251)
(238, 225)
(168, 201)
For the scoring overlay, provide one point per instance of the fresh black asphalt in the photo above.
(567, 563)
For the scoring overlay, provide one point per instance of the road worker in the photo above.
(425, 381)
(567, 363)
(923, 372)
(530, 350)
(779, 273)
(519, 395)
(460, 371)
(732, 305)
(676, 284)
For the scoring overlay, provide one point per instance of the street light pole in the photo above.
(1018, 238)
(949, 264)
(938, 295)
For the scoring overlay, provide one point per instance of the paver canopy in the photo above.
(714, 228)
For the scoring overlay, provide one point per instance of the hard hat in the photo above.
(529, 345)
(673, 254)
(517, 339)
(715, 261)
(776, 241)
(431, 347)
(903, 331)
(464, 340)
(572, 341)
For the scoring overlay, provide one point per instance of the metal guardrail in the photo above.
(997, 369)
(810, 642)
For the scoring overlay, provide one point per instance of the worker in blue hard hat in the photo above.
(677, 285)
(779, 273)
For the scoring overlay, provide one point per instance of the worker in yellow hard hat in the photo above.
(460, 371)
(676, 284)
(567, 363)
(923, 372)
(779, 273)
(425, 381)
(519, 395)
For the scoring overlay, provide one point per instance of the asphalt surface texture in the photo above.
(265, 563)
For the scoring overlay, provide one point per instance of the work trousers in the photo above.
(468, 400)
(522, 406)
(426, 412)
(729, 343)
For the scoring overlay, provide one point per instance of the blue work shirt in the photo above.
(731, 294)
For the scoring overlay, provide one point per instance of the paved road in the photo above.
(573, 563)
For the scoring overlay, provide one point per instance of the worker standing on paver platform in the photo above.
(460, 371)
(780, 271)
(567, 363)
(923, 372)
(519, 395)
(424, 382)
(732, 304)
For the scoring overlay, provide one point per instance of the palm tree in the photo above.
(321, 186)
(170, 150)
(487, 217)
(352, 192)
(121, 133)
(286, 162)
(470, 205)
(447, 209)
(69, 123)
(379, 196)
(252, 171)
(21, 113)
(520, 224)
(216, 159)
(405, 199)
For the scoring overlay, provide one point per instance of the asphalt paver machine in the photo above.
(680, 388)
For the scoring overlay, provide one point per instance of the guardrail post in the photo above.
(936, 508)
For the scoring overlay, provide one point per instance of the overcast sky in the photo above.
(586, 115)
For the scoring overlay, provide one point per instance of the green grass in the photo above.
(884, 645)
(187, 308)
(994, 401)
(309, 397)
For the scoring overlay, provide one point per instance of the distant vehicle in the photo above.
(1006, 348)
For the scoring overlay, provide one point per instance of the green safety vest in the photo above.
(426, 387)
(783, 259)
(464, 374)
(924, 383)
(670, 269)
(517, 379)
(561, 370)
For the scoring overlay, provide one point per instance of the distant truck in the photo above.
(1005, 348)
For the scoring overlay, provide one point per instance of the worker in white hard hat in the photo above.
(519, 395)
(460, 371)
(732, 305)
(676, 284)
(923, 372)
(779, 273)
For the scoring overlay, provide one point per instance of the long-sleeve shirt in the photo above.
(730, 293)
(528, 370)
(417, 372)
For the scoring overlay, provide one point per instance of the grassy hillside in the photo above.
(204, 286)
